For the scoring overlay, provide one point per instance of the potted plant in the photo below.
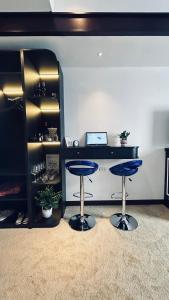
(123, 137)
(48, 199)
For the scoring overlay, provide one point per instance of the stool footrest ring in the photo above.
(118, 195)
(123, 222)
(86, 195)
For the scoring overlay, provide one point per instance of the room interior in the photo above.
(84, 211)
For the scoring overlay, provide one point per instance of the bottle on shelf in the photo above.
(35, 138)
(40, 137)
(37, 90)
(43, 88)
(45, 132)
(53, 95)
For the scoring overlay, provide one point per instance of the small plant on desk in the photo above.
(123, 137)
(48, 199)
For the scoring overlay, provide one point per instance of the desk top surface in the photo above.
(101, 147)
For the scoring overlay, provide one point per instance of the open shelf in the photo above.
(10, 222)
(56, 181)
(12, 225)
(12, 173)
(12, 198)
(45, 143)
(51, 143)
(54, 220)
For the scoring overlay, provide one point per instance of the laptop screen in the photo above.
(96, 138)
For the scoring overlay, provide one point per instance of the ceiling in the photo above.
(85, 5)
(82, 51)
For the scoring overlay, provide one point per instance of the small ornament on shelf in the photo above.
(123, 137)
(53, 134)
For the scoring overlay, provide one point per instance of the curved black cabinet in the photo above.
(31, 100)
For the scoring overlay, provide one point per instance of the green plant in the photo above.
(48, 198)
(124, 135)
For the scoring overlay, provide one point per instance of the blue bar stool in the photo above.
(122, 220)
(82, 222)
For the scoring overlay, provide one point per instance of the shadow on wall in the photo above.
(160, 124)
(148, 183)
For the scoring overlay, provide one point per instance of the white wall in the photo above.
(132, 98)
(110, 5)
(112, 100)
(24, 5)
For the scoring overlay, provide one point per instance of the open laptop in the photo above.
(96, 139)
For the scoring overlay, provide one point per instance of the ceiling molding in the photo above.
(89, 24)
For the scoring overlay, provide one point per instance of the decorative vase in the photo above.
(115, 140)
(123, 142)
(53, 134)
(47, 213)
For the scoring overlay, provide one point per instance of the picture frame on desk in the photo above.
(68, 141)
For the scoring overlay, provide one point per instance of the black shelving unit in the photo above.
(24, 109)
(166, 183)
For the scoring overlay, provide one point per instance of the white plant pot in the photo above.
(47, 213)
(116, 140)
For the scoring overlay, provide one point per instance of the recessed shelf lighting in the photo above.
(99, 54)
(49, 76)
(51, 143)
(50, 110)
(36, 144)
(13, 91)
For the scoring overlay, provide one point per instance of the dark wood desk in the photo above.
(100, 152)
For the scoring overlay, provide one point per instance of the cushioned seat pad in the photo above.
(81, 167)
(126, 169)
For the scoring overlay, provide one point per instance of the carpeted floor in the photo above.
(102, 264)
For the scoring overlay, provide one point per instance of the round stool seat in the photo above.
(81, 167)
(126, 169)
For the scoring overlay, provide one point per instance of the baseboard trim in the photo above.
(166, 203)
(118, 202)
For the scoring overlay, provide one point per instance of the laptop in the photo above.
(96, 139)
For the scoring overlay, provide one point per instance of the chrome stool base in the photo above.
(123, 222)
(84, 223)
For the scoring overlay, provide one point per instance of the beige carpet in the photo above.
(104, 263)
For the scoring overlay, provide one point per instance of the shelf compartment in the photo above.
(41, 222)
(10, 222)
(49, 105)
(12, 198)
(45, 143)
(12, 173)
(56, 181)
(51, 143)
(12, 225)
